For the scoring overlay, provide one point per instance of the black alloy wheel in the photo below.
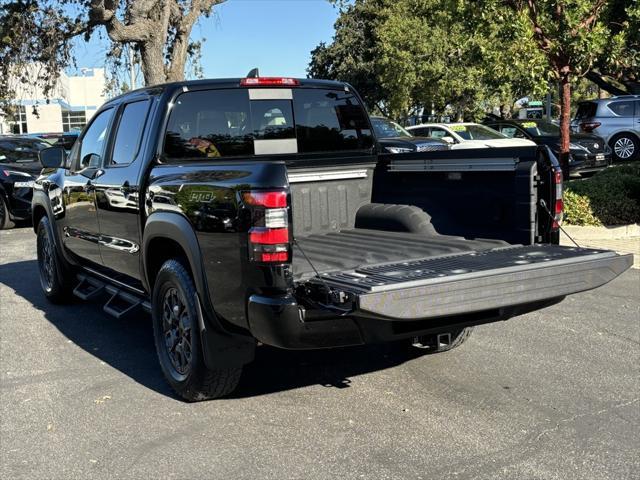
(55, 279)
(46, 261)
(177, 328)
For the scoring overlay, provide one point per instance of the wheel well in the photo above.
(159, 250)
(629, 133)
(38, 212)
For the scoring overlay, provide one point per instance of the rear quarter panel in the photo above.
(209, 196)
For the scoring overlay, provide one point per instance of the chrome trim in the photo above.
(326, 175)
(454, 165)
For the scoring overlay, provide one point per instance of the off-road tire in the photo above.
(5, 220)
(631, 141)
(56, 281)
(196, 382)
(458, 337)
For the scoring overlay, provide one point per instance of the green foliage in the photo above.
(611, 197)
(403, 55)
(464, 58)
(578, 210)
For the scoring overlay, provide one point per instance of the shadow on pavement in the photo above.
(127, 345)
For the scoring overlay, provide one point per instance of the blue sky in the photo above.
(275, 35)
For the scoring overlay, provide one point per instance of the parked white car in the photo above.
(467, 135)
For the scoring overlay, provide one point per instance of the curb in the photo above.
(603, 233)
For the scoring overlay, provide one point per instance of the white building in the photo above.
(72, 103)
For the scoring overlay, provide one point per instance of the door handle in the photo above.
(125, 188)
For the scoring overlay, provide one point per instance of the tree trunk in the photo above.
(565, 119)
(152, 63)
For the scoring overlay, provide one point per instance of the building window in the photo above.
(18, 121)
(73, 120)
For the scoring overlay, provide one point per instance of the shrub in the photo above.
(611, 197)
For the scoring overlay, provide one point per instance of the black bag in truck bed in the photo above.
(474, 281)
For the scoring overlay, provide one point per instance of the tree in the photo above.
(570, 36)
(353, 56)
(40, 32)
(406, 55)
(617, 70)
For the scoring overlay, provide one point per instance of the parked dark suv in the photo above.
(617, 120)
(19, 166)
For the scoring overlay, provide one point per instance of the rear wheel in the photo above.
(625, 147)
(441, 342)
(177, 338)
(54, 278)
(5, 221)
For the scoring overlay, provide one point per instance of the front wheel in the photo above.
(177, 338)
(55, 280)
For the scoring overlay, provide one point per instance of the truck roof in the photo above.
(226, 83)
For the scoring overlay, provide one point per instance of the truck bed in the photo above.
(358, 247)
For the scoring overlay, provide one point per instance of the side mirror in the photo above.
(52, 157)
(91, 160)
(448, 139)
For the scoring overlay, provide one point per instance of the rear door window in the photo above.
(330, 120)
(439, 133)
(210, 124)
(129, 132)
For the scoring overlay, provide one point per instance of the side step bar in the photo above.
(119, 304)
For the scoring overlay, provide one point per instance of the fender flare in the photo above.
(221, 347)
(40, 199)
(176, 227)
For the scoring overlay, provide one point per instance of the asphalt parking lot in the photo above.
(550, 395)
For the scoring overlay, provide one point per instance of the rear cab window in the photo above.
(258, 121)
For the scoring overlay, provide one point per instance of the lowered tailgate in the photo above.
(475, 281)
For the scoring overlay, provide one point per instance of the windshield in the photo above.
(476, 132)
(541, 128)
(385, 128)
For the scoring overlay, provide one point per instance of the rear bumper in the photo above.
(277, 322)
(433, 305)
(589, 163)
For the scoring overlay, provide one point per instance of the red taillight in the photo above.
(6, 173)
(275, 257)
(269, 236)
(558, 210)
(269, 232)
(266, 199)
(559, 206)
(589, 126)
(269, 82)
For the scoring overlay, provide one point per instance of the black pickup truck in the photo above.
(258, 210)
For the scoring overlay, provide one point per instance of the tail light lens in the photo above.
(589, 126)
(269, 239)
(558, 210)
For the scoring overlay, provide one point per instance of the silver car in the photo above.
(616, 119)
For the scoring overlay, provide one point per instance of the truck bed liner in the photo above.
(348, 249)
